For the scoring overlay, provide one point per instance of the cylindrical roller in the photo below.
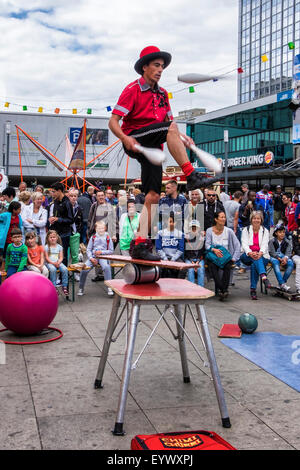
(139, 274)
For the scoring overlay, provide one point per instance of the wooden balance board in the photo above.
(161, 264)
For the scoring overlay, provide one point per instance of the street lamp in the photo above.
(7, 131)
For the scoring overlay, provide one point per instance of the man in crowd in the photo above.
(264, 201)
(211, 207)
(246, 210)
(84, 203)
(100, 210)
(289, 214)
(278, 205)
(110, 197)
(232, 211)
(172, 202)
(245, 191)
(61, 217)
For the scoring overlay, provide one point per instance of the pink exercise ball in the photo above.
(28, 303)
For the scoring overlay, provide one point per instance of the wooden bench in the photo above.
(116, 265)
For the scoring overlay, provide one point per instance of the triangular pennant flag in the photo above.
(108, 108)
(6, 105)
(24, 108)
(74, 111)
(57, 110)
(240, 70)
(264, 58)
(40, 110)
(191, 89)
(68, 151)
(89, 111)
(170, 96)
(78, 158)
(291, 45)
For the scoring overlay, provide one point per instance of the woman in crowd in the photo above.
(255, 241)
(223, 249)
(35, 217)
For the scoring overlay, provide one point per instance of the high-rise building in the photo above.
(269, 38)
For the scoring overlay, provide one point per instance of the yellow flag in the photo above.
(170, 95)
(6, 105)
(264, 58)
(74, 111)
(40, 110)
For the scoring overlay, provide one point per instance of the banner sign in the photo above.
(93, 136)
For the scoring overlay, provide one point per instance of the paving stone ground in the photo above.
(48, 400)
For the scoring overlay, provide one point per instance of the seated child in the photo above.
(99, 244)
(280, 250)
(36, 254)
(54, 257)
(16, 253)
(170, 247)
(8, 221)
(194, 252)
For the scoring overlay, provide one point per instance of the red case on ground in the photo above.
(191, 440)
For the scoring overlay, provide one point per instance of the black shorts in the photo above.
(150, 136)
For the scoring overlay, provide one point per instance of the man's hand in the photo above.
(52, 220)
(188, 141)
(94, 261)
(98, 252)
(129, 143)
(283, 261)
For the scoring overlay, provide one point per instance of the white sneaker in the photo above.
(285, 288)
(58, 282)
(77, 277)
(110, 291)
(298, 291)
(80, 292)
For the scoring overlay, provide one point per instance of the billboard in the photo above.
(93, 136)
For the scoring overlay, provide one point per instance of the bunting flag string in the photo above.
(74, 110)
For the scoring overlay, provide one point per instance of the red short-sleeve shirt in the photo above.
(141, 106)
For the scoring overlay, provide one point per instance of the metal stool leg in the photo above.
(213, 366)
(107, 341)
(182, 347)
(118, 430)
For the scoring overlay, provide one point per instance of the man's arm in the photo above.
(127, 141)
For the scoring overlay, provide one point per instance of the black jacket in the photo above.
(64, 211)
(210, 211)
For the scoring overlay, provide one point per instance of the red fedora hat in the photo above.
(151, 53)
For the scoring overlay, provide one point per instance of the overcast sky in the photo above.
(81, 54)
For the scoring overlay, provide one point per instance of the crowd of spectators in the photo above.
(46, 231)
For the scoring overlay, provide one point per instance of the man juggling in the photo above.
(147, 121)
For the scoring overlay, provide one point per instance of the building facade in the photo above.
(50, 131)
(269, 38)
(260, 141)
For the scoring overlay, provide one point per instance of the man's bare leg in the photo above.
(176, 146)
(178, 152)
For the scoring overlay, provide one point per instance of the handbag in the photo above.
(220, 262)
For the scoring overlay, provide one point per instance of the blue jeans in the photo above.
(12, 270)
(53, 272)
(200, 272)
(258, 267)
(276, 266)
(83, 232)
